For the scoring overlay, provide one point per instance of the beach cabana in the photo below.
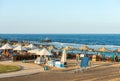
(64, 57)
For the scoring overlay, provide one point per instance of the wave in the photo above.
(60, 44)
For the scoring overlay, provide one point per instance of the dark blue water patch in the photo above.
(89, 39)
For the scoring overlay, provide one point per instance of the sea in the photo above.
(95, 41)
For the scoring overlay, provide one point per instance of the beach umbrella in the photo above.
(103, 49)
(68, 48)
(118, 50)
(31, 46)
(6, 47)
(84, 47)
(91, 50)
(20, 48)
(16, 45)
(64, 57)
(44, 51)
(51, 47)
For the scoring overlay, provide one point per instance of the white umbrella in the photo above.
(64, 57)
(31, 46)
(44, 52)
(20, 48)
(7, 46)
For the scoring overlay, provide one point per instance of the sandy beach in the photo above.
(107, 71)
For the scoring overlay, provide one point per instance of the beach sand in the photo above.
(107, 71)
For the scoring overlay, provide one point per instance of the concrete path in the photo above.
(27, 69)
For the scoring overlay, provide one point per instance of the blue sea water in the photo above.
(88, 39)
(95, 41)
(110, 41)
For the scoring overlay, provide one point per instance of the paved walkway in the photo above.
(27, 69)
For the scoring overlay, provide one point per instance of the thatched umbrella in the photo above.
(91, 50)
(68, 48)
(103, 49)
(118, 50)
(51, 47)
(84, 47)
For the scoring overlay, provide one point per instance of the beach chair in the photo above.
(83, 65)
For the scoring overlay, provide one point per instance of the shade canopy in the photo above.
(103, 49)
(31, 46)
(44, 52)
(7, 46)
(84, 47)
(64, 57)
(20, 48)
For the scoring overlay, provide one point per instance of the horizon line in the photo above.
(59, 33)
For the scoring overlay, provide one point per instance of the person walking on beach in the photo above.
(77, 59)
(116, 58)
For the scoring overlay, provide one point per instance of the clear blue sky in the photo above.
(59, 16)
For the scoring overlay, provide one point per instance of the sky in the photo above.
(60, 16)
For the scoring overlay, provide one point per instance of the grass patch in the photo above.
(8, 68)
